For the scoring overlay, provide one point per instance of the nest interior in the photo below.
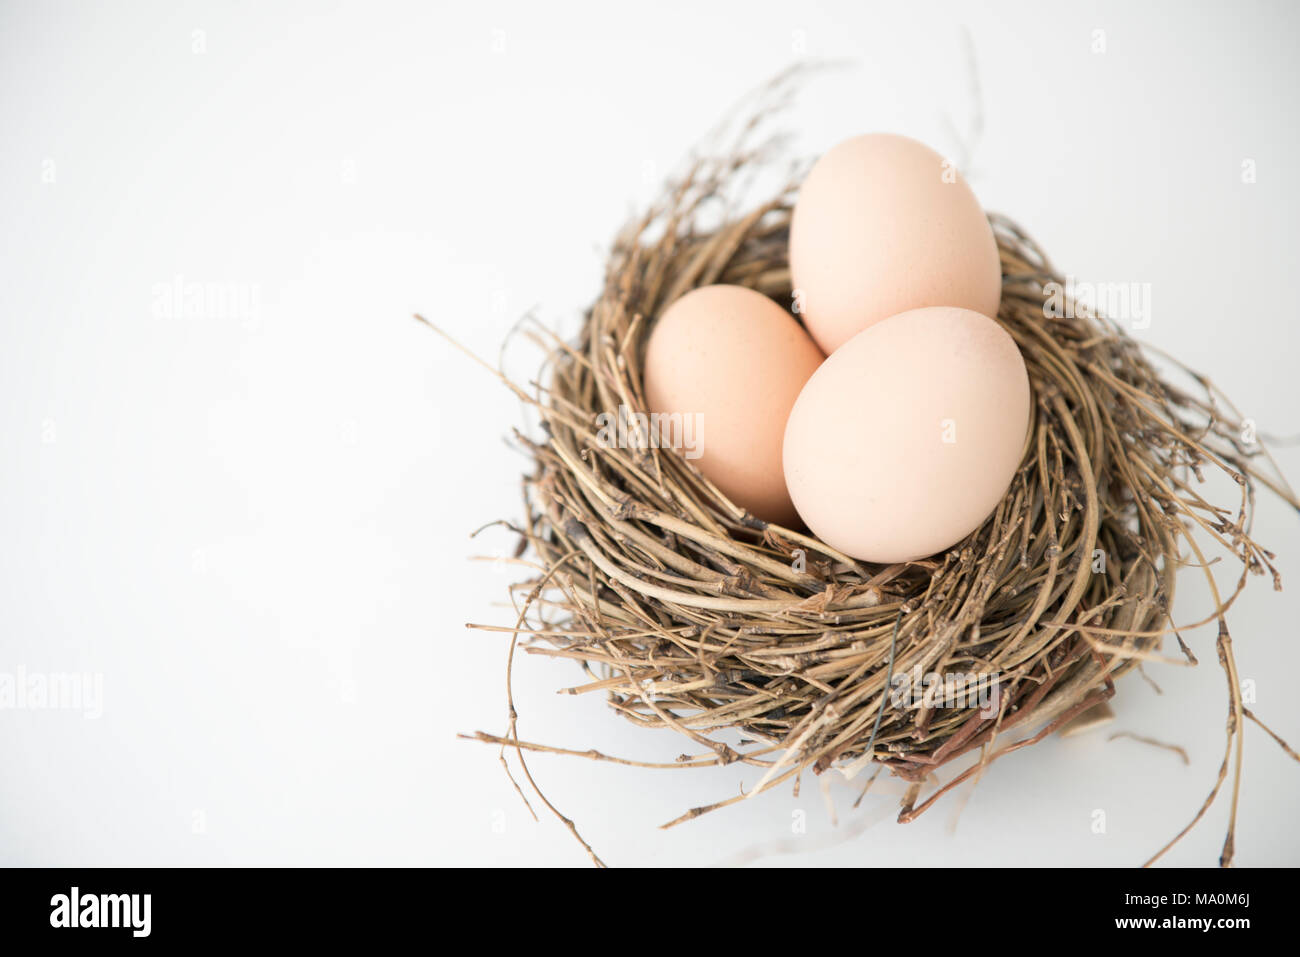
(691, 615)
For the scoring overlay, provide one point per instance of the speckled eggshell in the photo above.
(883, 225)
(907, 437)
(737, 360)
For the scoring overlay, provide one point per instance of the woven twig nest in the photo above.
(693, 616)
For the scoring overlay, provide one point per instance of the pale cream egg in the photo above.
(884, 224)
(908, 436)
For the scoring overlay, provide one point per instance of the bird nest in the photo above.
(759, 644)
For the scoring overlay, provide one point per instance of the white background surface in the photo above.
(255, 528)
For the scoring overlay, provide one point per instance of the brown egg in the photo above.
(723, 367)
(883, 225)
(906, 439)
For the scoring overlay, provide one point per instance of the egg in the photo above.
(908, 436)
(723, 366)
(883, 224)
